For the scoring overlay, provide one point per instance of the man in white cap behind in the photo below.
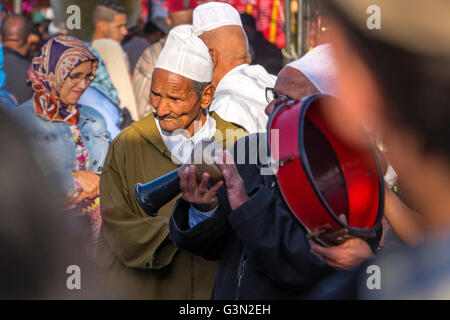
(240, 88)
(135, 249)
(315, 72)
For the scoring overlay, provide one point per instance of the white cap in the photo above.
(212, 15)
(319, 66)
(186, 54)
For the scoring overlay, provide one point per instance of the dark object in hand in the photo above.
(156, 193)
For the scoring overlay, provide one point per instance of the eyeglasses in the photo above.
(271, 95)
(77, 78)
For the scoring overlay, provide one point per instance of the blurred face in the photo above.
(75, 84)
(424, 176)
(34, 44)
(175, 101)
(117, 29)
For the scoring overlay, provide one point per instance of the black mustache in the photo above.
(165, 117)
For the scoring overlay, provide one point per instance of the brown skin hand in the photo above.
(228, 47)
(176, 103)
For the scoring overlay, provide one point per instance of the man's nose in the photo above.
(162, 108)
(270, 107)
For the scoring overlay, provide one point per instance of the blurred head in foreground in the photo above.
(394, 77)
(38, 241)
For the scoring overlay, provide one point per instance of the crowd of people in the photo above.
(83, 122)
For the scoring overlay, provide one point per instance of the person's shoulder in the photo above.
(229, 132)
(259, 72)
(222, 124)
(107, 45)
(25, 108)
(88, 111)
(151, 53)
(131, 134)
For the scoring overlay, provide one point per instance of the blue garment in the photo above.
(54, 145)
(6, 100)
(5, 97)
(94, 98)
(102, 81)
(2, 73)
(197, 216)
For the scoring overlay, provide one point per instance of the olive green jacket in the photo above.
(137, 259)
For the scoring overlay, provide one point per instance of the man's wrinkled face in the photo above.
(117, 29)
(174, 99)
(292, 83)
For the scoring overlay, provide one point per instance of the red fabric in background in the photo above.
(178, 5)
(262, 12)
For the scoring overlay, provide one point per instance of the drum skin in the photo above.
(321, 177)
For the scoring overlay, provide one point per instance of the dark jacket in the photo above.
(263, 250)
(16, 68)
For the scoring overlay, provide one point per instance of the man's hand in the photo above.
(90, 184)
(199, 195)
(236, 192)
(347, 256)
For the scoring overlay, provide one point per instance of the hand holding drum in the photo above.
(155, 194)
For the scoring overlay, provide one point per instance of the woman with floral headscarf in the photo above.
(70, 140)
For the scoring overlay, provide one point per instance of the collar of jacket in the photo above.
(147, 129)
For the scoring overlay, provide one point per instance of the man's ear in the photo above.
(207, 96)
(102, 27)
(29, 40)
(169, 21)
(214, 57)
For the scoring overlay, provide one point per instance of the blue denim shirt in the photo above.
(96, 99)
(54, 145)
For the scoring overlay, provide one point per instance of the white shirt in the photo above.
(180, 145)
(240, 97)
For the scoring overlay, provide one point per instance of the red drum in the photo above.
(321, 176)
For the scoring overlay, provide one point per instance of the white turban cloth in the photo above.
(212, 15)
(319, 66)
(186, 54)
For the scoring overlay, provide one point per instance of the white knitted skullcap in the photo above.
(319, 66)
(186, 54)
(212, 15)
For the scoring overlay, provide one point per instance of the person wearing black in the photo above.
(16, 30)
(263, 250)
(262, 51)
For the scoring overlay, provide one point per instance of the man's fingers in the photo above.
(203, 187)
(230, 161)
(328, 253)
(343, 219)
(211, 192)
(182, 169)
(183, 180)
(192, 179)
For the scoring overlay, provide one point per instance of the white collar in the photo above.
(181, 146)
(228, 74)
